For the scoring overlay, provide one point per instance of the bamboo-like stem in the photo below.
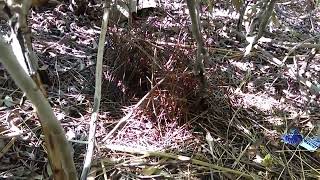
(201, 51)
(269, 6)
(58, 148)
(196, 31)
(97, 94)
(264, 21)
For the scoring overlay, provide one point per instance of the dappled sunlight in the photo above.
(262, 102)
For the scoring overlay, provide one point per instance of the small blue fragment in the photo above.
(311, 143)
(293, 137)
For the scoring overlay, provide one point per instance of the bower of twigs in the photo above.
(251, 102)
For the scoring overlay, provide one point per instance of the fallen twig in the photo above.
(179, 157)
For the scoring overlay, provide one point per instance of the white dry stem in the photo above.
(58, 148)
(97, 94)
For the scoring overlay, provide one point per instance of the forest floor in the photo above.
(236, 129)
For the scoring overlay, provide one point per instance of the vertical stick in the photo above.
(201, 51)
(97, 94)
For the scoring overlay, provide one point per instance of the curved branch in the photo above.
(58, 148)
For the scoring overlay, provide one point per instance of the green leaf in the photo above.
(267, 161)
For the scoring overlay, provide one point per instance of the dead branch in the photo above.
(97, 94)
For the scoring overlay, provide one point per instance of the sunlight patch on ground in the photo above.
(142, 134)
(243, 66)
(277, 121)
(224, 13)
(262, 102)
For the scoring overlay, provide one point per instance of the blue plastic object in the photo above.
(293, 137)
(311, 143)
